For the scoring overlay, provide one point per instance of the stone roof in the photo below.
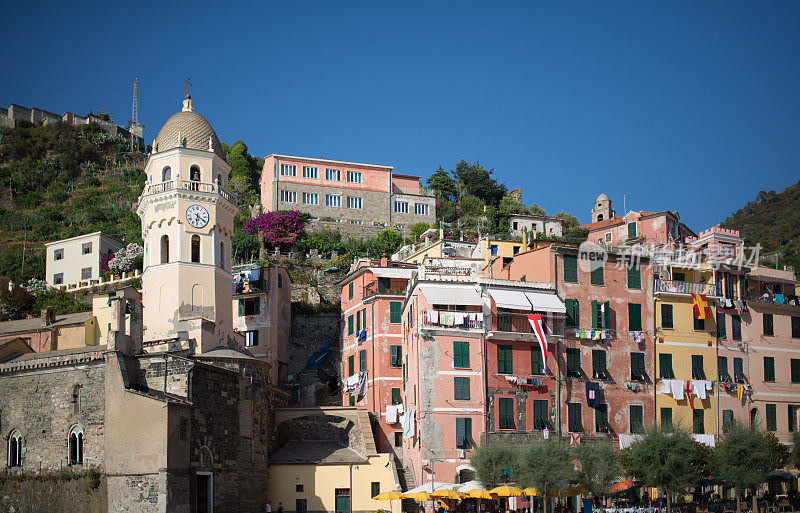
(224, 352)
(35, 323)
(315, 452)
(193, 130)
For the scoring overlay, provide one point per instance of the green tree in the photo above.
(743, 457)
(536, 210)
(599, 466)
(245, 174)
(795, 455)
(662, 460)
(545, 465)
(511, 205)
(443, 184)
(478, 181)
(491, 462)
(386, 242)
(418, 229)
(570, 221)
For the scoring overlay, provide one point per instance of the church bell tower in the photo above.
(187, 223)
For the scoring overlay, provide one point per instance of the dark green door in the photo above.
(342, 500)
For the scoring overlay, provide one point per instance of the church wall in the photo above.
(39, 403)
(52, 495)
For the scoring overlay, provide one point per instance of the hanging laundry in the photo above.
(700, 306)
(637, 337)
(361, 389)
(546, 433)
(779, 299)
(351, 383)
(433, 317)
(592, 394)
(738, 304)
(676, 389)
(596, 335)
(699, 387)
(391, 414)
(408, 430)
(583, 334)
(689, 394)
(666, 387)
(739, 391)
(399, 409)
(574, 439)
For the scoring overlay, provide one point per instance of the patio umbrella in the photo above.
(470, 485)
(418, 496)
(621, 486)
(388, 496)
(506, 491)
(446, 493)
(480, 494)
(533, 492)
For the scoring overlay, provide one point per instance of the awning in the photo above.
(465, 466)
(451, 295)
(544, 302)
(392, 272)
(513, 299)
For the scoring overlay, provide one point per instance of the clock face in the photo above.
(197, 216)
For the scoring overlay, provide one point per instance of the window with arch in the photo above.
(76, 446)
(166, 174)
(219, 179)
(165, 249)
(194, 174)
(15, 449)
(222, 255)
(195, 248)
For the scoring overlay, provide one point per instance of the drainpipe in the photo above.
(558, 345)
(374, 374)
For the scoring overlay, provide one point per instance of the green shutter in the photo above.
(769, 330)
(595, 315)
(634, 277)
(396, 356)
(358, 321)
(349, 324)
(698, 372)
(395, 312)
(607, 315)
(364, 320)
(504, 361)
(506, 406)
(637, 419)
(721, 325)
(352, 397)
(601, 419)
(722, 368)
(362, 360)
(540, 414)
(350, 290)
(738, 370)
(795, 327)
(537, 366)
(736, 327)
(772, 417)
(597, 275)
(573, 313)
(795, 368)
(666, 419)
(727, 418)
(461, 388)
(256, 305)
(666, 316)
(241, 307)
(461, 354)
(396, 397)
(638, 372)
(575, 422)
(351, 365)
(698, 421)
(632, 230)
(769, 368)
(665, 366)
(461, 432)
(634, 317)
(792, 418)
(573, 362)
(571, 268)
(599, 369)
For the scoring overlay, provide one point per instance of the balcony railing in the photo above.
(519, 323)
(438, 319)
(376, 288)
(189, 185)
(448, 270)
(686, 287)
(771, 298)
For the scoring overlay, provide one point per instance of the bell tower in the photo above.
(601, 210)
(187, 223)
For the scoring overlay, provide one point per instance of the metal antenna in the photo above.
(134, 116)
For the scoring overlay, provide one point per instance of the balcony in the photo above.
(439, 319)
(686, 287)
(771, 298)
(376, 288)
(188, 185)
(519, 323)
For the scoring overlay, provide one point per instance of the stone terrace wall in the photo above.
(53, 496)
(348, 231)
(151, 373)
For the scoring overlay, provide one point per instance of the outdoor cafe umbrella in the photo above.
(480, 493)
(446, 493)
(621, 486)
(388, 496)
(418, 496)
(530, 491)
(506, 491)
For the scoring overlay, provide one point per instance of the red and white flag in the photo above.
(536, 324)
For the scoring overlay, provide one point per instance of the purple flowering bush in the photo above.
(276, 228)
(104, 260)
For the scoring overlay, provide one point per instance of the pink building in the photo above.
(644, 227)
(344, 192)
(616, 303)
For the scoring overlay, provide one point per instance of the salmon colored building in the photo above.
(606, 357)
(642, 227)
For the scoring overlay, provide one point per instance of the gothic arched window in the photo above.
(76, 446)
(164, 249)
(15, 449)
(166, 174)
(195, 248)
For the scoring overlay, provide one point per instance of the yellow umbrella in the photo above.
(506, 491)
(480, 493)
(533, 492)
(446, 493)
(418, 496)
(388, 496)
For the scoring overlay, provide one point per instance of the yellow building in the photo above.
(686, 351)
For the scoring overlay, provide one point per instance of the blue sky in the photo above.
(690, 106)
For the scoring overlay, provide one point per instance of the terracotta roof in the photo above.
(193, 130)
(35, 323)
(315, 451)
(605, 223)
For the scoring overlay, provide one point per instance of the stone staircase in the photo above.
(407, 482)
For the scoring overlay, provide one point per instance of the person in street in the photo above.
(280, 507)
(268, 508)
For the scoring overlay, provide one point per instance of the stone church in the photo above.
(170, 408)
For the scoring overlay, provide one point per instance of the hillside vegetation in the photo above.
(772, 220)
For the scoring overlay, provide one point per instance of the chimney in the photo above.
(48, 315)
(384, 260)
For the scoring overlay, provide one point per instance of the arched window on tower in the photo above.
(599, 217)
(219, 180)
(165, 249)
(222, 255)
(194, 174)
(195, 248)
(166, 174)
(76, 446)
(15, 449)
